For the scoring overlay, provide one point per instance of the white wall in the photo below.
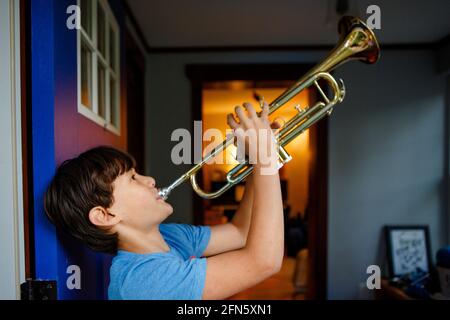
(386, 149)
(12, 263)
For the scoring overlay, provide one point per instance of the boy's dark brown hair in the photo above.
(81, 184)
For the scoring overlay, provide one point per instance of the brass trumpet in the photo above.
(357, 42)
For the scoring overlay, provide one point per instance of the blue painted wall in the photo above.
(60, 132)
(42, 100)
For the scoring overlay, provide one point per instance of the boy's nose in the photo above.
(151, 182)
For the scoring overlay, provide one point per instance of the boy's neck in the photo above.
(138, 241)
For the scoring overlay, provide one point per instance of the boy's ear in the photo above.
(100, 217)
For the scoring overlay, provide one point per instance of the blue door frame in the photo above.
(60, 132)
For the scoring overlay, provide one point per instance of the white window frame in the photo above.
(96, 57)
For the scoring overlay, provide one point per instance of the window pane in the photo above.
(86, 16)
(114, 104)
(101, 37)
(101, 91)
(112, 49)
(86, 76)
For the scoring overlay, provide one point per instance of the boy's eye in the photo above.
(133, 177)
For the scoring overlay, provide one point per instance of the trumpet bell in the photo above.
(365, 40)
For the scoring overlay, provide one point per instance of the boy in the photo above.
(100, 199)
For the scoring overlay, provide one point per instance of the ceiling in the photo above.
(230, 23)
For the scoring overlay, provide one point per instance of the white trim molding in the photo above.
(12, 248)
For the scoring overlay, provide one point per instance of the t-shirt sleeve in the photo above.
(190, 240)
(166, 279)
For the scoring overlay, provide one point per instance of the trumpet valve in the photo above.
(283, 155)
(299, 109)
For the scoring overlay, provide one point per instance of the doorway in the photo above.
(216, 89)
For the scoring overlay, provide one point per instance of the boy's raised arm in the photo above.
(232, 272)
(233, 235)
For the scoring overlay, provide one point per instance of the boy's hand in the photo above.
(254, 133)
(262, 255)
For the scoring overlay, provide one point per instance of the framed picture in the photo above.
(408, 248)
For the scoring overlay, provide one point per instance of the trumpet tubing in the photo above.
(357, 42)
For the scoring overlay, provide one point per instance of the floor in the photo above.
(277, 287)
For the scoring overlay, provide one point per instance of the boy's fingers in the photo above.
(243, 118)
(231, 120)
(238, 134)
(265, 110)
(251, 111)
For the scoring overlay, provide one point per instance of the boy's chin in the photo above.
(168, 209)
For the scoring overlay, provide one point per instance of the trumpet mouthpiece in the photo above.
(164, 193)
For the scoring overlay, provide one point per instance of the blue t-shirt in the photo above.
(175, 275)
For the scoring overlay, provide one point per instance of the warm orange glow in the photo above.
(217, 103)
